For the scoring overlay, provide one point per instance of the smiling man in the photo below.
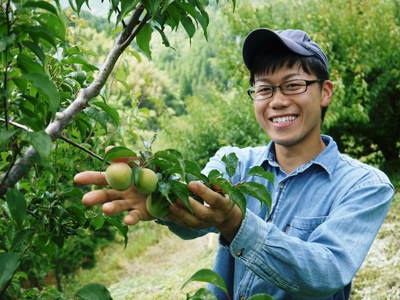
(326, 207)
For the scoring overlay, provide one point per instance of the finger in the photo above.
(133, 217)
(91, 177)
(181, 216)
(100, 196)
(116, 206)
(214, 199)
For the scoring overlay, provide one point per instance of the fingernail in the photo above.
(128, 220)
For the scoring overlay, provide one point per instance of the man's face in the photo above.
(292, 119)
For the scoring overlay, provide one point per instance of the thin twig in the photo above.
(64, 138)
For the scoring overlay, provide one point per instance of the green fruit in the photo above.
(157, 206)
(119, 176)
(147, 181)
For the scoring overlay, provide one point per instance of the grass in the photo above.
(379, 277)
(110, 260)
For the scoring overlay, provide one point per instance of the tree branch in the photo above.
(64, 118)
(5, 79)
(62, 137)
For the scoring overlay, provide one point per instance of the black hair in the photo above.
(270, 62)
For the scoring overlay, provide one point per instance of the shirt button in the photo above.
(281, 185)
(239, 252)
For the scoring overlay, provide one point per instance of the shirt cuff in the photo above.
(251, 236)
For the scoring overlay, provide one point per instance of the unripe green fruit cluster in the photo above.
(120, 176)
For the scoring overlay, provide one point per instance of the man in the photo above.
(327, 208)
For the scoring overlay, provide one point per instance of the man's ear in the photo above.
(327, 92)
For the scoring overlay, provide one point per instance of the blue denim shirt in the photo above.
(324, 218)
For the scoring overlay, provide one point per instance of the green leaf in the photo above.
(164, 189)
(73, 193)
(80, 60)
(93, 291)
(260, 172)
(261, 297)
(5, 136)
(99, 116)
(43, 5)
(98, 221)
(123, 229)
(237, 197)
(40, 32)
(165, 40)
(77, 213)
(126, 7)
(9, 262)
(35, 49)
(21, 240)
(231, 163)
(202, 294)
(181, 191)
(79, 4)
(189, 26)
(143, 39)
(258, 191)
(28, 65)
(214, 174)
(191, 167)
(207, 275)
(17, 205)
(42, 143)
(53, 24)
(109, 110)
(46, 86)
(171, 161)
(204, 21)
(224, 184)
(118, 152)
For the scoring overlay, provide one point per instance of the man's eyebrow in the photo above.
(263, 79)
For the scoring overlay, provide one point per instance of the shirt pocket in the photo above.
(302, 227)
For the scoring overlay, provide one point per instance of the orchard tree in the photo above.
(47, 86)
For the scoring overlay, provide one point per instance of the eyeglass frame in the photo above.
(274, 87)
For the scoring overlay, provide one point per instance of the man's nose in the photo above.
(278, 99)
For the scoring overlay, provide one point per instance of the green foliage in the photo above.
(93, 291)
(213, 120)
(206, 275)
(364, 62)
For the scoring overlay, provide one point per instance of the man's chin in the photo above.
(287, 142)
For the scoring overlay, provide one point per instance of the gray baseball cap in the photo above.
(269, 41)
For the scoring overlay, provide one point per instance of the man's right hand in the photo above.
(113, 201)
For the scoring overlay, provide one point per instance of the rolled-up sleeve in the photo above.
(330, 257)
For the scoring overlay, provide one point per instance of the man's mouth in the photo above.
(284, 119)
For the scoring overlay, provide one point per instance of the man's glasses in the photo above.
(291, 87)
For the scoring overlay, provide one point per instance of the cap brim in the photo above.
(263, 40)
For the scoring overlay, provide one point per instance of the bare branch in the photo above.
(5, 79)
(64, 118)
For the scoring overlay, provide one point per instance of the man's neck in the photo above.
(292, 157)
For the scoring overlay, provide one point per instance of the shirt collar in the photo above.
(327, 159)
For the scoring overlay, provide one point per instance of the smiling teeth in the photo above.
(283, 119)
